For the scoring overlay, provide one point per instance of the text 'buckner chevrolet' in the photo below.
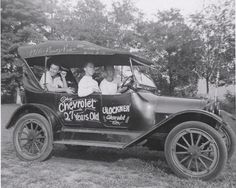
(195, 139)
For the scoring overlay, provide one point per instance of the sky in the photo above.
(150, 7)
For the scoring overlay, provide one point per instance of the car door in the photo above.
(116, 110)
(79, 111)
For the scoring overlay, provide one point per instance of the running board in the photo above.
(118, 145)
(103, 131)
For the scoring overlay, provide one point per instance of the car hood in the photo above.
(171, 105)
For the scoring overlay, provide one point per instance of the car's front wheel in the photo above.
(32, 138)
(195, 150)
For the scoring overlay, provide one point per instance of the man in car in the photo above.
(109, 85)
(55, 82)
(87, 84)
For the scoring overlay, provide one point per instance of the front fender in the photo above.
(35, 108)
(166, 125)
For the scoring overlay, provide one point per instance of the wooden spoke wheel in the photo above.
(32, 137)
(195, 150)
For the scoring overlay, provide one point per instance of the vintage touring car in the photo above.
(195, 139)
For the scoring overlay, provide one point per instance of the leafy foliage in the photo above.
(169, 43)
(22, 22)
(215, 29)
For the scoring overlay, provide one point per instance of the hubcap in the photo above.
(195, 152)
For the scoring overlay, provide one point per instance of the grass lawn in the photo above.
(105, 168)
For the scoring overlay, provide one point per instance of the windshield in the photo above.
(139, 73)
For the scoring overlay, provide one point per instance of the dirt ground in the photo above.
(102, 168)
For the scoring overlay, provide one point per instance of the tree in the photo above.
(168, 42)
(89, 20)
(215, 28)
(22, 22)
(123, 18)
(84, 21)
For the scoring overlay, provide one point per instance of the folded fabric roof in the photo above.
(80, 51)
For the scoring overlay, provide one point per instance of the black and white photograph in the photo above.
(118, 94)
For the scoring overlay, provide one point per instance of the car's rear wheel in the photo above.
(195, 150)
(32, 137)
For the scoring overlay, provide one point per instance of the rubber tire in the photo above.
(232, 136)
(44, 122)
(76, 148)
(211, 131)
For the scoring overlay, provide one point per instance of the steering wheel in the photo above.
(128, 82)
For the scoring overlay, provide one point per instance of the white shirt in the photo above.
(86, 86)
(108, 88)
(54, 82)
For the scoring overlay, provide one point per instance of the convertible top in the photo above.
(73, 52)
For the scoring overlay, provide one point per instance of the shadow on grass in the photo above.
(108, 155)
(113, 155)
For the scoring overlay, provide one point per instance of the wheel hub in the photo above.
(31, 136)
(194, 151)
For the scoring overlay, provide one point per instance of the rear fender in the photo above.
(166, 125)
(36, 108)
